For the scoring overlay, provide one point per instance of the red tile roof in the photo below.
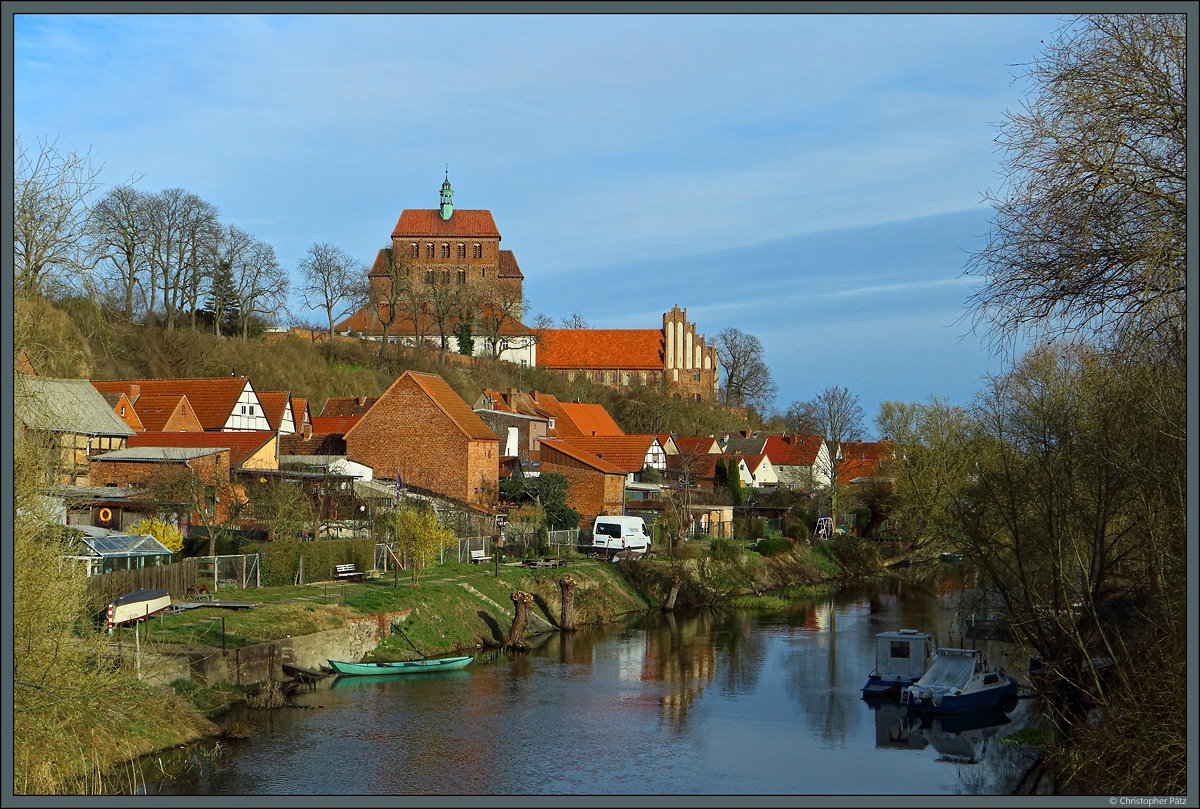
(317, 444)
(273, 404)
(212, 399)
(587, 419)
(241, 444)
(625, 349)
(696, 444)
(861, 459)
(508, 266)
(300, 410)
(156, 410)
(792, 450)
(551, 446)
(333, 424)
(625, 451)
(425, 223)
(347, 405)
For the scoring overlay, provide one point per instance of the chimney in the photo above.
(135, 391)
(306, 431)
(360, 400)
(746, 433)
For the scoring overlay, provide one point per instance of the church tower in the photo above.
(447, 199)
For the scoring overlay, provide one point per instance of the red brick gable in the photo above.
(625, 349)
(442, 395)
(212, 399)
(241, 444)
(366, 321)
(425, 223)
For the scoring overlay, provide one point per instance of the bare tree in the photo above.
(183, 228)
(260, 285)
(575, 321)
(801, 418)
(839, 418)
(119, 231)
(1090, 230)
(747, 378)
(333, 282)
(52, 191)
(389, 287)
(500, 306)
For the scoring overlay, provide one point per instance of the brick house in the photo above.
(422, 432)
(144, 468)
(121, 405)
(595, 486)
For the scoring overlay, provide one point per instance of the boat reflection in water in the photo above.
(960, 738)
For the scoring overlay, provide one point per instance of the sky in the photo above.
(813, 180)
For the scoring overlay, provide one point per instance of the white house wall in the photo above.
(247, 413)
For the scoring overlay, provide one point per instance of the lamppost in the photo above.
(498, 537)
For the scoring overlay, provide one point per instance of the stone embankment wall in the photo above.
(252, 664)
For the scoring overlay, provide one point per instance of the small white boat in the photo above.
(136, 606)
(901, 657)
(958, 680)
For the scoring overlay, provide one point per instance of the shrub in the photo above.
(724, 550)
(773, 546)
(796, 531)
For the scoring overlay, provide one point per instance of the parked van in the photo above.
(620, 533)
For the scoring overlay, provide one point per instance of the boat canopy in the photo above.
(952, 668)
(901, 654)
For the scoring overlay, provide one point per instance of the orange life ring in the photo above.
(105, 515)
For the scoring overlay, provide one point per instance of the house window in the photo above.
(477, 251)
(122, 411)
(445, 251)
(429, 250)
(243, 410)
(251, 410)
(483, 273)
(416, 250)
(462, 251)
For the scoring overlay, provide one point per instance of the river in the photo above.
(713, 703)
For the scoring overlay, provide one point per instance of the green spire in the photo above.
(447, 197)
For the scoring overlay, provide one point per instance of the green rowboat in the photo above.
(400, 667)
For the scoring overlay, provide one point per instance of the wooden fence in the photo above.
(175, 578)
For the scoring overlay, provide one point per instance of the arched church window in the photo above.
(445, 251)
(462, 250)
(477, 251)
(416, 250)
(429, 250)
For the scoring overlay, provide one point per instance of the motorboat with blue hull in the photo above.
(959, 680)
(901, 657)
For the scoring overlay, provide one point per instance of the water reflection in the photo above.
(716, 702)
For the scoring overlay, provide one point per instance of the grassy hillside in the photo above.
(75, 338)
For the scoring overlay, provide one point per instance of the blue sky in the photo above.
(812, 179)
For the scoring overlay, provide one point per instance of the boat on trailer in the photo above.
(901, 657)
(400, 666)
(959, 680)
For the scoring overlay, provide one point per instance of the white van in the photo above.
(620, 533)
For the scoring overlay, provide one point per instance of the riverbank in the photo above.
(457, 609)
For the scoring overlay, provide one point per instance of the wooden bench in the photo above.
(480, 556)
(347, 571)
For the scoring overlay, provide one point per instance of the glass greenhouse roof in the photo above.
(115, 544)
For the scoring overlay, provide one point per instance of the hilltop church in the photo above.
(445, 255)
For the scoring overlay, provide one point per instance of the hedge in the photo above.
(280, 561)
